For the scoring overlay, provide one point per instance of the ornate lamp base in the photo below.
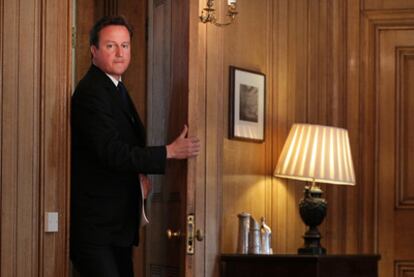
(312, 244)
(312, 210)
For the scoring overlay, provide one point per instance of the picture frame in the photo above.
(247, 105)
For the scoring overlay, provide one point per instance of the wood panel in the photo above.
(86, 15)
(34, 136)
(177, 171)
(244, 178)
(202, 170)
(311, 64)
(176, 87)
(310, 50)
(326, 103)
(393, 108)
(110, 7)
(404, 269)
(55, 92)
(306, 64)
(170, 91)
(291, 67)
(384, 34)
(209, 164)
(159, 99)
(404, 133)
(387, 4)
(20, 150)
(359, 213)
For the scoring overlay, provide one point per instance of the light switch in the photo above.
(51, 222)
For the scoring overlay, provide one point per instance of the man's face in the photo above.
(114, 54)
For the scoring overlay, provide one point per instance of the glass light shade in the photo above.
(318, 154)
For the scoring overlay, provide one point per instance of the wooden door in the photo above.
(170, 98)
(164, 203)
(392, 103)
(396, 151)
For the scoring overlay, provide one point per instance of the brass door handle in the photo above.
(199, 235)
(190, 235)
(173, 235)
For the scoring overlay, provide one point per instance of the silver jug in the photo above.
(254, 237)
(243, 239)
(265, 237)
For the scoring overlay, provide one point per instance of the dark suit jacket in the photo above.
(108, 153)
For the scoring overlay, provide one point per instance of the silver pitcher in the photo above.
(254, 237)
(265, 237)
(243, 239)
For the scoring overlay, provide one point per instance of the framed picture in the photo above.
(247, 105)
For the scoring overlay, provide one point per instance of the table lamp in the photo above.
(317, 154)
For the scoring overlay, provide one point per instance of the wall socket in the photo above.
(52, 222)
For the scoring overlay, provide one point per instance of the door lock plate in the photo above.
(190, 234)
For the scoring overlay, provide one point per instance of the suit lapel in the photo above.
(132, 115)
(133, 118)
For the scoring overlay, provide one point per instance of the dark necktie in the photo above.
(126, 101)
(124, 95)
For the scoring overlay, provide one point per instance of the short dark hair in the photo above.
(107, 21)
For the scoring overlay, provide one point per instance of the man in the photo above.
(110, 158)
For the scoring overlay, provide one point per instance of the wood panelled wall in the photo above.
(34, 113)
(331, 62)
(301, 47)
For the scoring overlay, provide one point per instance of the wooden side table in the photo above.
(236, 265)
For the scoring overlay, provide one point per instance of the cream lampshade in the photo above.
(318, 154)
